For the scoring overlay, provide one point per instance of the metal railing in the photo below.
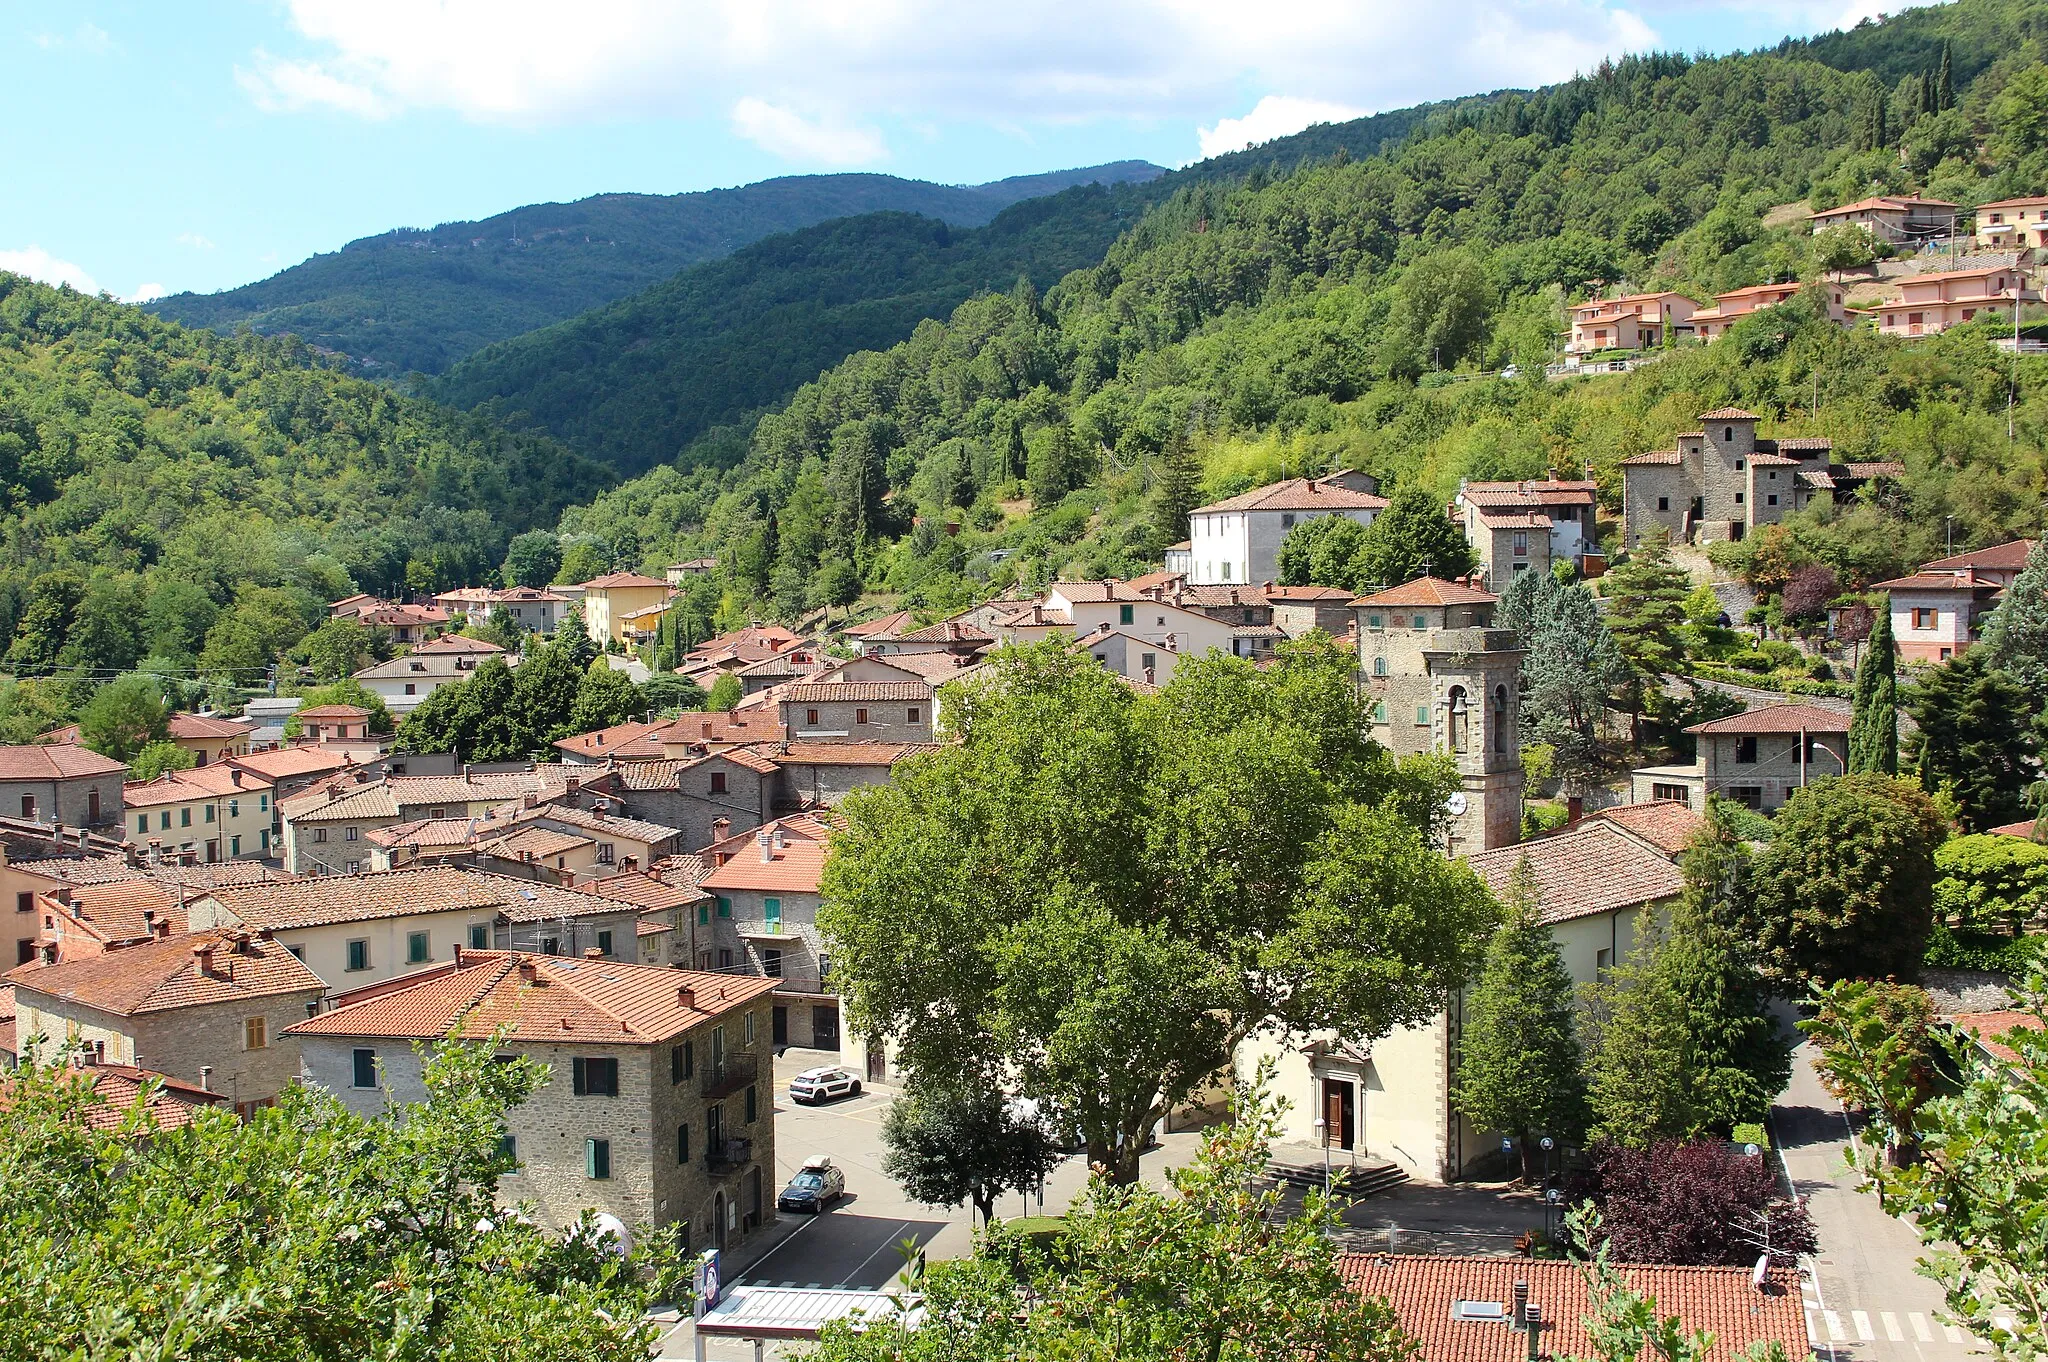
(733, 1152)
(728, 1075)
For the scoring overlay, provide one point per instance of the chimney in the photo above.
(46, 952)
(206, 1078)
(162, 930)
(203, 953)
(631, 863)
(767, 841)
(62, 893)
(1574, 809)
(312, 1007)
(721, 828)
(235, 776)
(1521, 1299)
(574, 784)
(686, 996)
(529, 971)
(1533, 1320)
(529, 800)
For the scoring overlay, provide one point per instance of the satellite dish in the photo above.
(1761, 1272)
(1455, 805)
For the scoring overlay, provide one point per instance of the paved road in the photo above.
(1864, 1301)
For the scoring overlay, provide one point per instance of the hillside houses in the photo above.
(1237, 540)
(1516, 527)
(1635, 321)
(1892, 218)
(1927, 304)
(1938, 611)
(404, 683)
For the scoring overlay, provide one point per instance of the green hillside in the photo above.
(1293, 318)
(417, 300)
(178, 494)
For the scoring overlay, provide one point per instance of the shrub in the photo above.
(1984, 951)
(1782, 654)
(1692, 1204)
(1752, 660)
(1749, 1132)
(1820, 670)
(1543, 815)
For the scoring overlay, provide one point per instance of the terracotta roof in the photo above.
(1423, 1292)
(1429, 591)
(1932, 275)
(158, 976)
(457, 643)
(1928, 581)
(1728, 414)
(375, 800)
(116, 1088)
(888, 626)
(199, 726)
(1221, 597)
(55, 761)
(649, 891)
(217, 781)
(113, 912)
(9, 1045)
(424, 832)
(856, 691)
(538, 843)
(2009, 556)
(931, 666)
(650, 925)
(850, 753)
(1533, 492)
(947, 631)
(332, 712)
(1882, 468)
(1762, 460)
(1778, 719)
(1818, 477)
(1656, 458)
(1089, 593)
(1667, 824)
(285, 762)
(793, 867)
(1513, 520)
(590, 820)
(540, 998)
(2024, 829)
(1809, 442)
(401, 893)
(1281, 595)
(1990, 1028)
(1882, 201)
(1594, 868)
(604, 741)
(2028, 202)
(622, 579)
(1755, 291)
(1297, 494)
(1152, 581)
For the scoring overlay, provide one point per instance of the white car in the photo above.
(822, 1085)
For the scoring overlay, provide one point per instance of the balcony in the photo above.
(727, 1154)
(730, 1074)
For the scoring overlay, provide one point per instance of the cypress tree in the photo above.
(2016, 635)
(1519, 1070)
(1874, 731)
(1944, 83)
(1178, 490)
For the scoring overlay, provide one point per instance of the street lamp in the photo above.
(1551, 1198)
(1323, 1139)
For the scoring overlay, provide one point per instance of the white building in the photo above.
(405, 682)
(1238, 540)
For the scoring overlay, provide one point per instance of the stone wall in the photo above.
(65, 801)
(184, 1040)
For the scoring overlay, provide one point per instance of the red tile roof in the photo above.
(844, 692)
(1990, 1029)
(850, 753)
(198, 726)
(402, 893)
(331, 712)
(158, 976)
(637, 886)
(1656, 458)
(1667, 824)
(888, 626)
(1883, 201)
(2010, 556)
(285, 762)
(1298, 494)
(1429, 591)
(1283, 594)
(55, 761)
(1928, 581)
(1594, 868)
(116, 1088)
(1778, 719)
(1880, 468)
(613, 580)
(2023, 828)
(540, 998)
(111, 913)
(1424, 1290)
(793, 867)
(1529, 493)
(457, 643)
(219, 781)
(1728, 414)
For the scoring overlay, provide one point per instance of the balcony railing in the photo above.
(730, 1074)
(728, 1154)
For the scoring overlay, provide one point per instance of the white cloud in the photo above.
(771, 66)
(195, 241)
(86, 38)
(148, 293)
(37, 263)
(1274, 116)
(280, 86)
(793, 137)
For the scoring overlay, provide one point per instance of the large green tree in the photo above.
(1845, 889)
(314, 1233)
(1874, 729)
(1177, 489)
(1519, 1061)
(533, 558)
(1571, 669)
(1411, 536)
(1325, 551)
(1990, 882)
(1097, 893)
(1973, 741)
(124, 716)
(946, 1146)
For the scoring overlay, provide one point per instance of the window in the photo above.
(411, 689)
(604, 853)
(682, 1062)
(185, 816)
(718, 782)
(1738, 498)
(1745, 751)
(597, 1160)
(714, 1126)
(359, 954)
(1149, 661)
(1125, 614)
(1460, 719)
(319, 834)
(1740, 464)
(508, 1147)
(1663, 503)
(913, 715)
(25, 901)
(1603, 961)
(353, 834)
(604, 942)
(811, 717)
(1379, 712)
(163, 820)
(1771, 500)
(771, 963)
(365, 1075)
(1287, 522)
(234, 810)
(1677, 792)
(594, 1077)
(1379, 666)
(725, 957)
(1374, 622)
(771, 910)
(234, 846)
(255, 1033)
(1749, 796)
(479, 936)
(704, 914)
(724, 906)
(752, 1109)
(416, 951)
(824, 966)
(749, 1029)
(860, 716)
(1727, 434)
(1422, 715)
(550, 945)
(298, 953)
(1926, 619)
(1521, 543)
(141, 820)
(682, 1143)
(28, 808)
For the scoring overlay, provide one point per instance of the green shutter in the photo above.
(1422, 714)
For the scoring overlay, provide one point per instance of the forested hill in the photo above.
(633, 383)
(417, 300)
(174, 493)
(1293, 317)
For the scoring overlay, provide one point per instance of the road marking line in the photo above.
(1920, 1329)
(1892, 1330)
(1862, 1320)
(888, 1244)
(1835, 1334)
(1951, 1333)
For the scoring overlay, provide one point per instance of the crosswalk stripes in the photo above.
(1892, 1331)
(1920, 1329)
(1862, 1322)
(1834, 1321)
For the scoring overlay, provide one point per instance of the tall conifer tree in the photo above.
(1874, 731)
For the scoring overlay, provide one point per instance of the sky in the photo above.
(159, 148)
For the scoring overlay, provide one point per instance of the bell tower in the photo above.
(1475, 685)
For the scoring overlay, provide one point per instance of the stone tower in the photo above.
(1440, 679)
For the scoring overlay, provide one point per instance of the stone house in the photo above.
(209, 1008)
(1937, 615)
(1723, 481)
(737, 785)
(1134, 659)
(1391, 1098)
(857, 711)
(1297, 610)
(763, 919)
(61, 783)
(1237, 540)
(1440, 678)
(1894, 218)
(668, 910)
(353, 930)
(37, 858)
(658, 1107)
(826, 772)
(325, 828)
(85, 920)
(334, 723)
(681, 738)
(217, 812)
(1635, 321)
(1526, 526)
(1756, 759)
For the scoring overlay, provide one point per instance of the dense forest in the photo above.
(195, 500)
(418, 300)
(1351, 311)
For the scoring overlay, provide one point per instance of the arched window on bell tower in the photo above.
(1461, 719)
(1500, 718)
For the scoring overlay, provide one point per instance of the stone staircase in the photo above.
(1354, 1181)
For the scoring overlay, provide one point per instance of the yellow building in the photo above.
(610, 601)
(216, 812)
